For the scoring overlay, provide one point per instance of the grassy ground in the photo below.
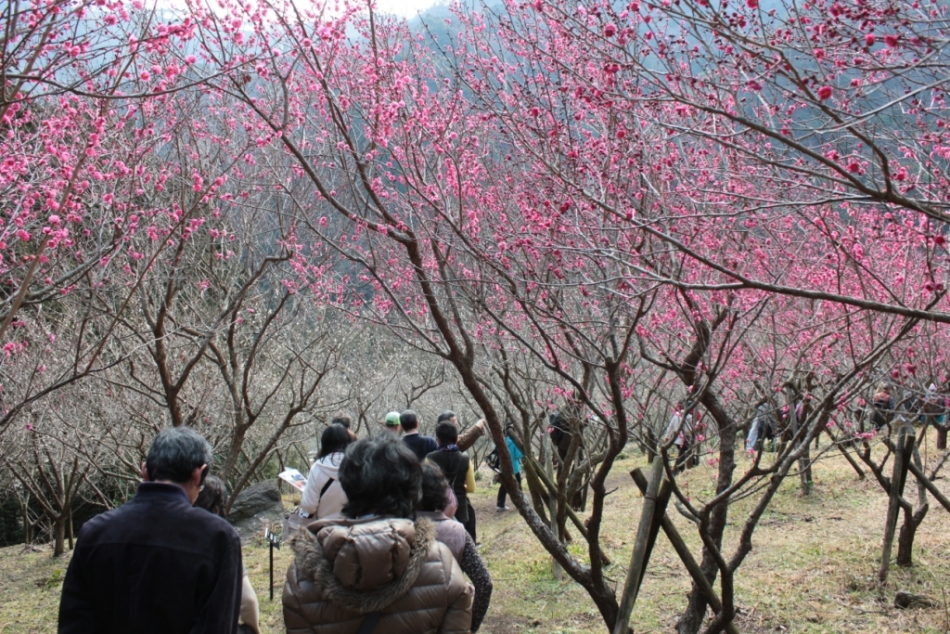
(813, 567)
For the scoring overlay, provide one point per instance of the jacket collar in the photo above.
(161, 490)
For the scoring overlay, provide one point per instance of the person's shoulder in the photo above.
(101, 523)
(439, 551)
(331, 460)
(439, 555)
(448, 526)
(211, 522)
(446, 569)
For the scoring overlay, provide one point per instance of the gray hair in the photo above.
(175, 453)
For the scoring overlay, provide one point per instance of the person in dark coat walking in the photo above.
(419, 444)
(465, 441)
(458, 472)
(157, 565)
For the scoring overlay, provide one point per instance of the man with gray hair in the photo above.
(156, 564)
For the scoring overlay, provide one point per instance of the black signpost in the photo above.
(273, 540)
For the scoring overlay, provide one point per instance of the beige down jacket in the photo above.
(345, 570)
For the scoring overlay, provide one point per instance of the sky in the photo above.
(405, 8)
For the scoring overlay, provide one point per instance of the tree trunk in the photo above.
(27, 536)
(538, 493)
(686, 556)
(602, 594)
(552, 508)
(59, 535)
(905, 541)
(902, 455)
(804, 470)
(234, 451)
(804, 463)
(942, 436)
(649, 446)
(692, 619)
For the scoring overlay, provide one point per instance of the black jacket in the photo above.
(154, 565)
(455, 467)
(421, 445)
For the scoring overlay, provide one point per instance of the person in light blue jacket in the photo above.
(516, 456)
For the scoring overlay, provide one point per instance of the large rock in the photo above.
(255, 499)
(256, 507)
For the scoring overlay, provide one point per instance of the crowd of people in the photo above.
(880, 413)
(402, 475)
(384, 540)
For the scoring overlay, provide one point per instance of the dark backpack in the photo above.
(493, 461)
(558, 428)
(878, 418)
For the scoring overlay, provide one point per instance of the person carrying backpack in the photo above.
(883, 403)
(516, 456)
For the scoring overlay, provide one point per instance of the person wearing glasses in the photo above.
(156, 564)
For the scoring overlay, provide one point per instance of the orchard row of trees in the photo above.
(244, 216)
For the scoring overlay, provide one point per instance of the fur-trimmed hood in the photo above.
(364, 565)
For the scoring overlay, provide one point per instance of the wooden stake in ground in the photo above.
(902, 457)
(844, 452)
(679, 545)
(934, 491)
(641, 549)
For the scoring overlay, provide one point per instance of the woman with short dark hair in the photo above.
(377, 569)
